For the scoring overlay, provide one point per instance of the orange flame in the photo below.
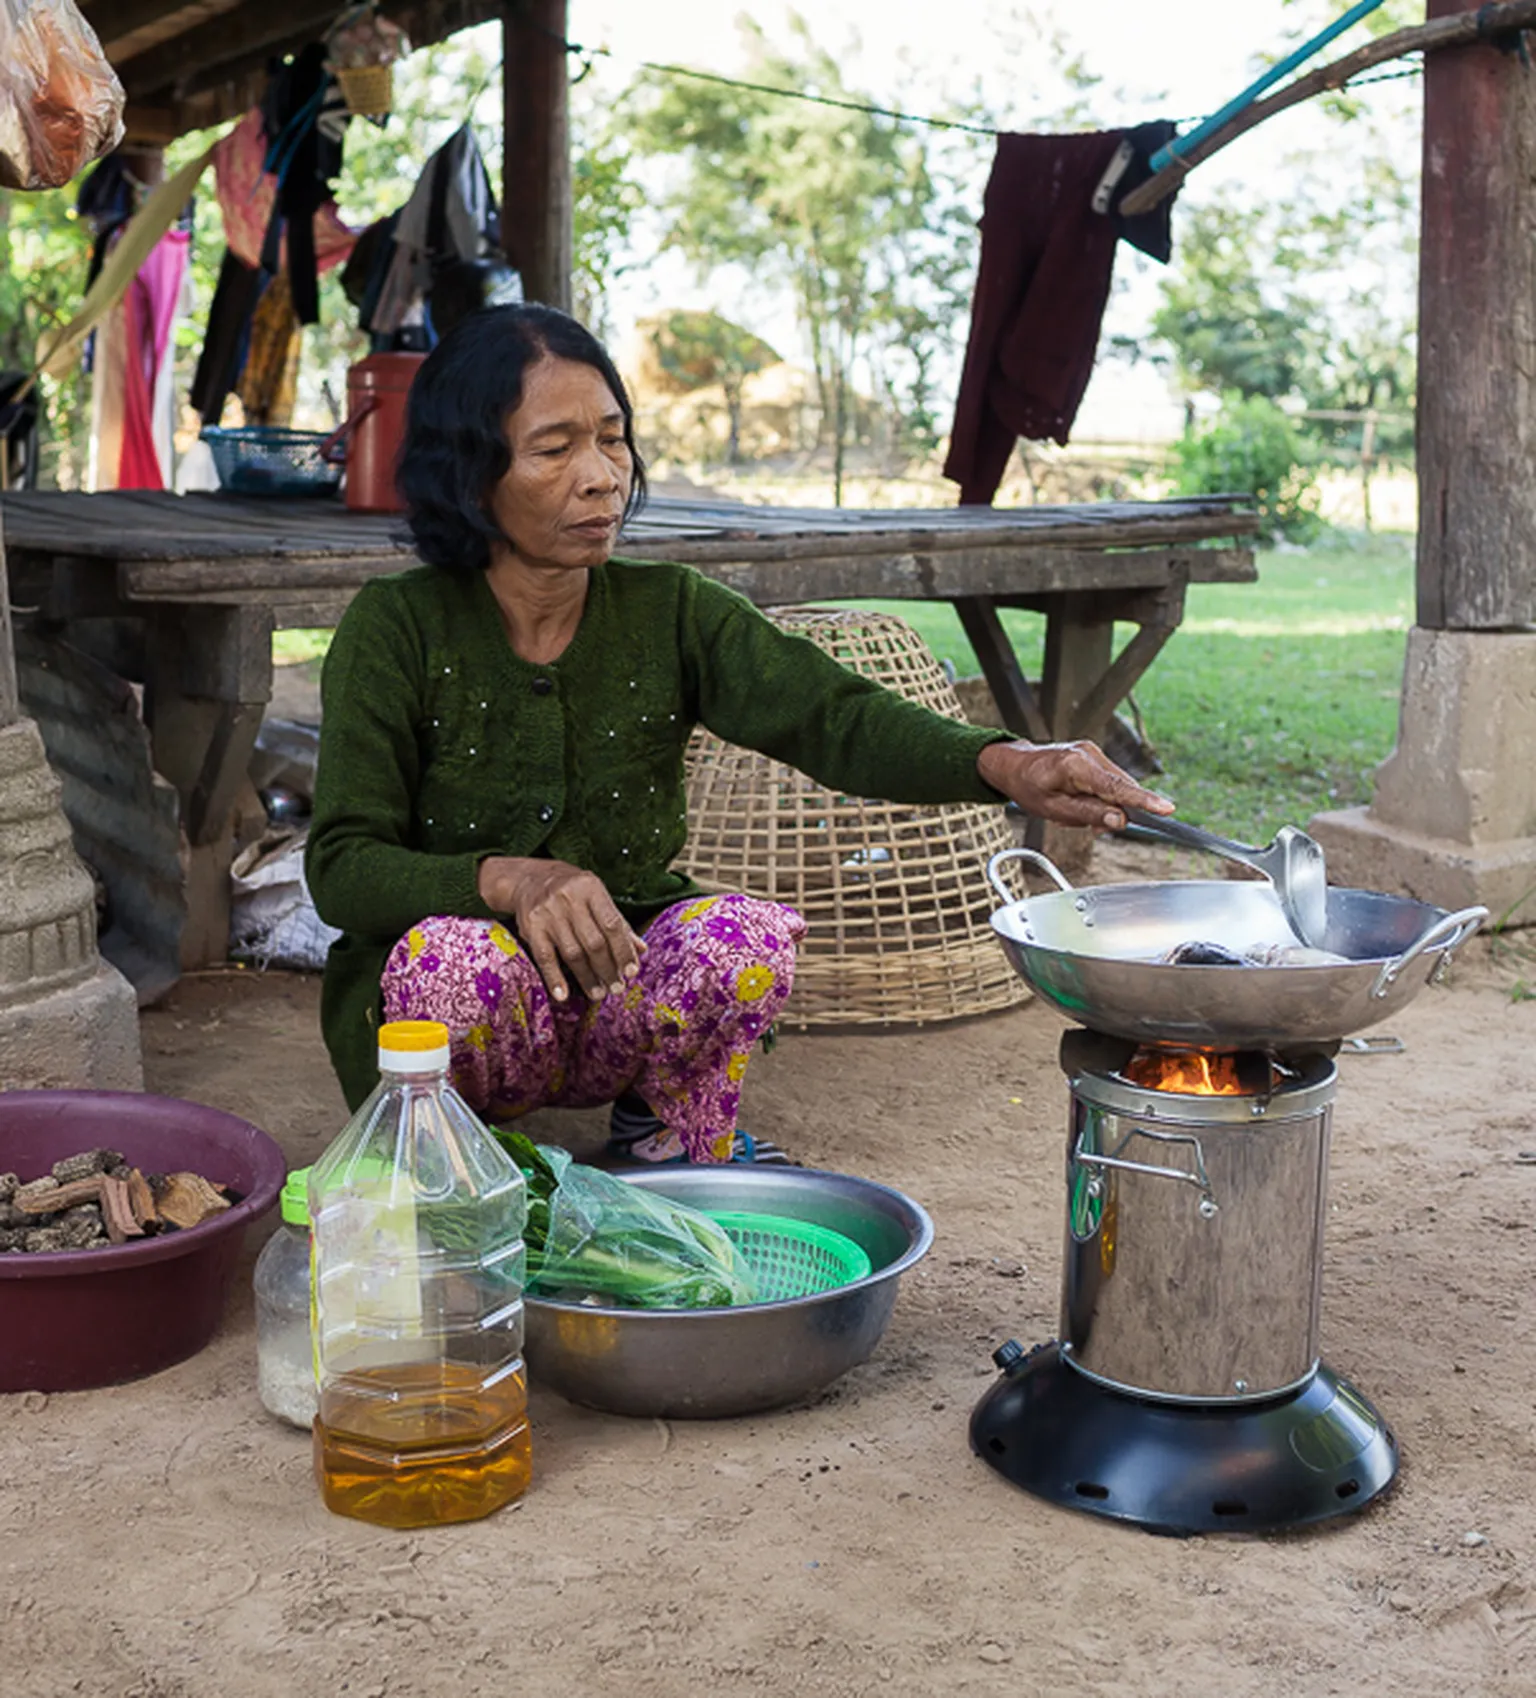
(1193, 1072)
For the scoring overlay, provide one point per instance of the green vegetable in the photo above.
(592, 1234)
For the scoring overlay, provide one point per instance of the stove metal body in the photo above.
(1186, 1393)
(1193, 1262)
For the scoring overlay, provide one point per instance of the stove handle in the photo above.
(1048, 867)
(1457, 927)
(1200, 1179)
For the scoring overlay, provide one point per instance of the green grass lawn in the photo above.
(1272, 701)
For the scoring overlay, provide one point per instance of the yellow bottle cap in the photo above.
(413, 1046)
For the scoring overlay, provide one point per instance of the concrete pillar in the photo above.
(1453, 821)
(67, 1018)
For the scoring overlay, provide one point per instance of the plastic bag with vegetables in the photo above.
(590, 1234)
(61, 105)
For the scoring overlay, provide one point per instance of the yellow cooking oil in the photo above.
(416, 1301)
(416, 1447)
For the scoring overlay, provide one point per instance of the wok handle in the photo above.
(1049, 868)
(1458, 927)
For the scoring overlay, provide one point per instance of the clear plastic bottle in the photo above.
(285, 1357)
(419, 1266)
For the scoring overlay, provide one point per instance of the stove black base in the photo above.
(1182, 1468)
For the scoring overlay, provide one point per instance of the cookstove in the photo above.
(1185, 1393)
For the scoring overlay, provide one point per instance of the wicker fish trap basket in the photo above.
(894, 895)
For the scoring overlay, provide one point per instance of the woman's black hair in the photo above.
(455, 448)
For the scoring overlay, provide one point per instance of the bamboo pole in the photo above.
(1486, 23)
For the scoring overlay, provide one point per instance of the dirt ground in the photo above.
(165, 1540)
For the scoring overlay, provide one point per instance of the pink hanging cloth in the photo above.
(149, 310)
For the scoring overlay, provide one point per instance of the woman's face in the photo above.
(564, 493)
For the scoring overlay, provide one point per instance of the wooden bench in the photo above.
(183, 593)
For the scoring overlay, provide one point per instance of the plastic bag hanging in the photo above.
(61, 105)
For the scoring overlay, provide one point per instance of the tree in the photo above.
(1229, 329)
(697, 350)
(840, 206)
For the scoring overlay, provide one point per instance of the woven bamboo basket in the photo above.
(369, 90)
(895, 896)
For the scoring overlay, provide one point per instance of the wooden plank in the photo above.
(1079, 642)
(227, 36)
(160, 526)
(1011, 690)
(931, 576)
(1092, 713)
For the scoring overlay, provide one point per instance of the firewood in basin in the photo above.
(117, 1210)
(54, 1199)
(187, 1199)
(142, 1198)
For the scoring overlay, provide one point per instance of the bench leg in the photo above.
(210, 678)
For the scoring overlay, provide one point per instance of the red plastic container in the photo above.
(376, 391)
(74, 1319)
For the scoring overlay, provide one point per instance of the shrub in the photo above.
(1251, 445)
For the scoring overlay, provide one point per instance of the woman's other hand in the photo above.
(1071, 783)
(565, 917)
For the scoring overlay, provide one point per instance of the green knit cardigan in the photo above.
(441, 746)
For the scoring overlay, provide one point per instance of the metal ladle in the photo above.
(1293, 864)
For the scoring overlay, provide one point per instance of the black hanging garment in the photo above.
(304, 119)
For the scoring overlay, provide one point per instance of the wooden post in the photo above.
(1477, 339)
(536, 169)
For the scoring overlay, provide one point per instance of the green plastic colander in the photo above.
(793, 1258)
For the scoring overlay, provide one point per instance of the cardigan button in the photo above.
(542, 686)
(546, 814)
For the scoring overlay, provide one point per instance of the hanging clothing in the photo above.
(149, 311)
(304, 117)
(269, 382)
(246, 192)
(132, 393)
(450, 216)
(1043, 283)
(716, 972)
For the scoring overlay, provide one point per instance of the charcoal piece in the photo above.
(42, 1238)
(10, 1215)
(12, 1238)
(79, 1228)
(8, 1184)
(84, 1165)
(1198, 954)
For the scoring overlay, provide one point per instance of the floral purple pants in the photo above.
(714, 974)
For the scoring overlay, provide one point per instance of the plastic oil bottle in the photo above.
(417, 1215)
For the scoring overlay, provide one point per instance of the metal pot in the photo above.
(1096, 955)
(717, 1362)
(1194, 1237)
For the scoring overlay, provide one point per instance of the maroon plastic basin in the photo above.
(75, 1319)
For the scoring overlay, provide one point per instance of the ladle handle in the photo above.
(1458, 927)
(1048, 867)
(1191, 836)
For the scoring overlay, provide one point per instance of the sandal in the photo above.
(621, 1153)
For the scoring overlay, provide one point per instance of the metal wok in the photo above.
(1095, 954)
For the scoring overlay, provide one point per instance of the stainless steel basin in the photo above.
(718, 1362)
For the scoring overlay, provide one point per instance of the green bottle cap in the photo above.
(295, 1198)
